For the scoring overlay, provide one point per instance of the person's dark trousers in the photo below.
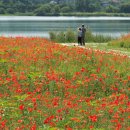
(79, 40)
(83, 41)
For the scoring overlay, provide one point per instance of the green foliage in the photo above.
(97, 38)
(125, 8)
(52, 36)
(59, 7)
(101, 38)
(89, 36)
(55, 10)
(123, 42)
(10, 11)
(62, 37)
(70, 36)
(112, 9)
(65, 9)
(43, 9)
(2, 11)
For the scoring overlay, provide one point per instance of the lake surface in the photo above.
(41, 26)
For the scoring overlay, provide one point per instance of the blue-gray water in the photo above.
(41, 26)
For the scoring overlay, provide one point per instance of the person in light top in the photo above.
(79, 36)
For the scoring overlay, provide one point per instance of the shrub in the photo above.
(88, 36)
(127, 45)
(61, 37)
(123, 42)
(52, 36)
(70, 36)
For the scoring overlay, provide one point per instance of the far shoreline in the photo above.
(75, 14)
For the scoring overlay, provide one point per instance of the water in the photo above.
(41, 26)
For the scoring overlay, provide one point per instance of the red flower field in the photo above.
(47, 86)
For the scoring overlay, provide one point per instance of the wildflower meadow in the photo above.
(48, 86)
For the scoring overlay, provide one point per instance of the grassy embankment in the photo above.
(47, 86)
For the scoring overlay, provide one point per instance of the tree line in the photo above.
(57, 7)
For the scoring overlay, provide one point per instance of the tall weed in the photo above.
(70, 36)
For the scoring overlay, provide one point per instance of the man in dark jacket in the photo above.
(83, 35)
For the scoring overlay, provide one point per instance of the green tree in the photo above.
(2, 11)
(10, 10)
(125, 8)
(87, 5)
(43, 10)
(65, 9)
(112, 9)
(55, 10)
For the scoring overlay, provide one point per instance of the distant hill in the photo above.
(58, 7)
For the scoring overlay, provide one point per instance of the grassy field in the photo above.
(106, 47)
(48, 86)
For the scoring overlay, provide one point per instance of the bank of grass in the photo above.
(122, 42)
(70, 36)
(106, 47)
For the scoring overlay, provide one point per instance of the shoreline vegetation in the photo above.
(70, 36)
(79, 14)
(121, 44)
(95, 14)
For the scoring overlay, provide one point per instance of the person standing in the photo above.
(79, 36)
(83, 34)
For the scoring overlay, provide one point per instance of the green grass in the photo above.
(105, 47)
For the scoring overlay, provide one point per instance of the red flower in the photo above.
(33, 127)
(21, 107)
(30, 109)
(69, 128)
(83, 70)
(20, 121)
(91, 127)
(48, 120)
(128, 104)
(128, 77)
(93, 118)
(3, 124)
(34, 100)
